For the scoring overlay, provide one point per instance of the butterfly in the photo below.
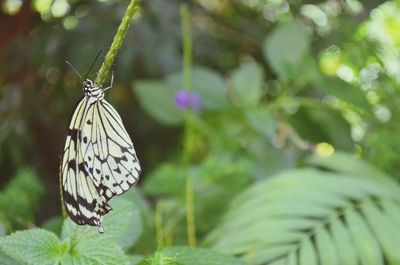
(98, 161)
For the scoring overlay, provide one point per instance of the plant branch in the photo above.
(116, 44)
(188, 134)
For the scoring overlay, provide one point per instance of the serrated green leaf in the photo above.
(95, 251)
(197, 256)
(283, 56)
(207, 83)
(247, 83)
(158, 100)
(35, 246)
(122, 224)
(160, 259)
(7, 260)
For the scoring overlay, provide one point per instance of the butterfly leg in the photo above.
(111, 83)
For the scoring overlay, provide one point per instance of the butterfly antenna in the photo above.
(73, 69)
(94, 62)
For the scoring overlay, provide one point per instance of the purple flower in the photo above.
(185, 99)
(182, 99)
(195, 101)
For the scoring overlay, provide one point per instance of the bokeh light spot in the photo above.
(42, 6)
(382, 113)
(345, 72)
(324, 149)
(60, 8)
(315, 14)
(70, 22)
(12, 7)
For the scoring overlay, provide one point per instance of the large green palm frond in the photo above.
(311, 216)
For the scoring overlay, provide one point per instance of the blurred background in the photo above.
(276, 82)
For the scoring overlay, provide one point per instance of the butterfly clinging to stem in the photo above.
(99, 160)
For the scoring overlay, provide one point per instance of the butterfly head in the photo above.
(92, 90)
(88, 85)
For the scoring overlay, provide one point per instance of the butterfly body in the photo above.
(99, 160)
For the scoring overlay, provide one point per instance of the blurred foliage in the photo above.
(216, 182)
(19, 200)
(298, 120)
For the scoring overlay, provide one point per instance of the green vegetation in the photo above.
(267, 131)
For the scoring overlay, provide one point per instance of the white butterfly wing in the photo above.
(81, 197)
(108, 150)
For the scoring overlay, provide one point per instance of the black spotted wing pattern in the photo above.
(109, 151)
(98, 161)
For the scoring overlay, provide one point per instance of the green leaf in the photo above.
(135, 259)
(262, 121)
(7, 260)
(267, 159)
(122, 224)
(307, 253)
(342, 239)
(209, 84)
(2, 229)
(348, 164)
(53, 224)
(167, 179)
(343, 91)
(159, 259)
(215, 178)
(319, 124)
(247, 82)
(387, 232)
(280, 51)
(197, 256)
(158, 100)
(95, 251)
(35, 246)
(368, 249)
(382, 139)
(20, 199)
(327, 248)
(312, 217)
(145, 243)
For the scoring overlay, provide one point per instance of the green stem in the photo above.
(105, 68)
(63, 210)
(188, 134)
(187, 47)
(159, 226)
